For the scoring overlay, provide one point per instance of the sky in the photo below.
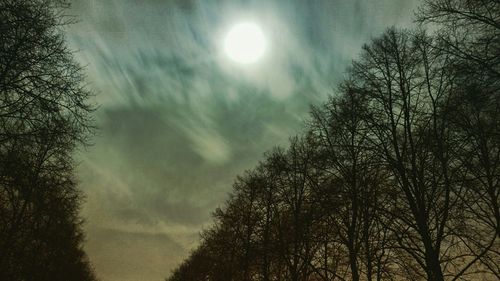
(178, 119)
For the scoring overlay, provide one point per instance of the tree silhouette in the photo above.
(44, 114)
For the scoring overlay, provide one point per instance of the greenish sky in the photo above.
(178, 120)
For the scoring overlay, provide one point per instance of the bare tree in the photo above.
(341, 136)
(470, 31)
(390, 73)
(44, 114)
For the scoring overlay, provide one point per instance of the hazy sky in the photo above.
(178, 120)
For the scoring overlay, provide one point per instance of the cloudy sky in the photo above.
(178, 120)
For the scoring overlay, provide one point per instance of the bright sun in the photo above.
(245, 43)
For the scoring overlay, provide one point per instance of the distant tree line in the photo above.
(396, 177)
(44, 115)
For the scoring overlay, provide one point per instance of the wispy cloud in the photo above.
(178, 121)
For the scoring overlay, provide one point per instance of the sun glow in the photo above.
(245, 43)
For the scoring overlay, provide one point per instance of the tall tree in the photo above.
(341, 137)
(44, 114)
(469, 32)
